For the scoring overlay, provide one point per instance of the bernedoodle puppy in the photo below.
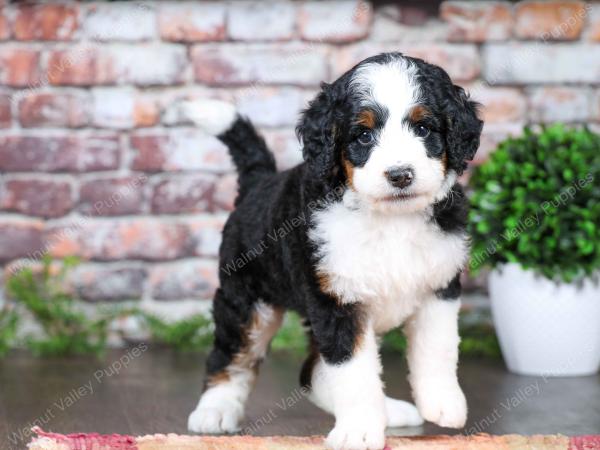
(366, 235)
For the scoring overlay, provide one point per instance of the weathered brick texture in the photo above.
(478, 21)
(550, 20)
(37, 197)
(46, 22)
(96, 160)
(55, 109)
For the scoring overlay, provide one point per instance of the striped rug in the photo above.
(93, 441)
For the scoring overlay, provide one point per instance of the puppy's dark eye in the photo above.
(366, 137)
(422, 131)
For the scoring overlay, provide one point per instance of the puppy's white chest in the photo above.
(389, 262)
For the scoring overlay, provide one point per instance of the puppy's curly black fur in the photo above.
(266, 256)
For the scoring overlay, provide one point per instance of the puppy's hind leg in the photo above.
(243, 332)
(401, 413)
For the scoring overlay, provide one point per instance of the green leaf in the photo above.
(548, 176)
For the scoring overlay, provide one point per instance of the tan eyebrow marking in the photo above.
(418, 113)
(366, 118)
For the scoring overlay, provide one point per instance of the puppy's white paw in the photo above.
(215, 420)
(364, 432)
(443, 405)
(401, 414)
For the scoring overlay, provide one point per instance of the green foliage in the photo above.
(479, 340)
(536, 202)
(475, 341)
(191, 334)
(66, 329)
(9, 320)
(394, 341)
(291, 336)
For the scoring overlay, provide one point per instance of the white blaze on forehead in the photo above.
(392, 84)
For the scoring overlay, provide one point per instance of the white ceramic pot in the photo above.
(545, 328)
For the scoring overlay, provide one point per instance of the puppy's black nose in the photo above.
(400, 177)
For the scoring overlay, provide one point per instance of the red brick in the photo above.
(477, 21)
(596, 106)
(120, 21)
(123, 108)
(20, 67)
(104, 240)
(235, 64)
(273, 106)
(206, 234)
(177, 150)
(560, 104)
(192, 22)
(5, 111)
(4, 26)
(594, 22)
(261, 21)
(285, 146)
(532, 63)
(37, 197)
(101, 282)
(112, 196)
(20, 239)
(226, 190)
(190, 279)
(184, 195)
(52, 153)
(500, 104)
(118, 64)
(47, 22)
(461, 61)
(146, 112)
(550, 20)
(83, 66)
(492, 135)
(54, 109)
(335, 21)
(388, 28)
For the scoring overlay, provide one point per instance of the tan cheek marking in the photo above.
(349, 172)
(445, 162)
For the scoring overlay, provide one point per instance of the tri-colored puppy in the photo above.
(374, 238)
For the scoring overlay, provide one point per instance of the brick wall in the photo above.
(95, 160)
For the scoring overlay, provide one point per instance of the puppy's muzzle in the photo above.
(401, 176)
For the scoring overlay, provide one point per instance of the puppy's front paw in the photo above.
(443, 405)
(364, 432)
(211, 420)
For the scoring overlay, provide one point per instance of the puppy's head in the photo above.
(394, 129)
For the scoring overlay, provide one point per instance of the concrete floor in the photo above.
(154, 391)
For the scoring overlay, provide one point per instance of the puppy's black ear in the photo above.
(464, 129)
(316, 131)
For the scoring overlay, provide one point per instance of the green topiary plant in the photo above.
(536, 202)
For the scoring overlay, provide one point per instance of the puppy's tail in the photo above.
(248, 150)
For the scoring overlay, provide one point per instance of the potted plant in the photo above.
(535, 221)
